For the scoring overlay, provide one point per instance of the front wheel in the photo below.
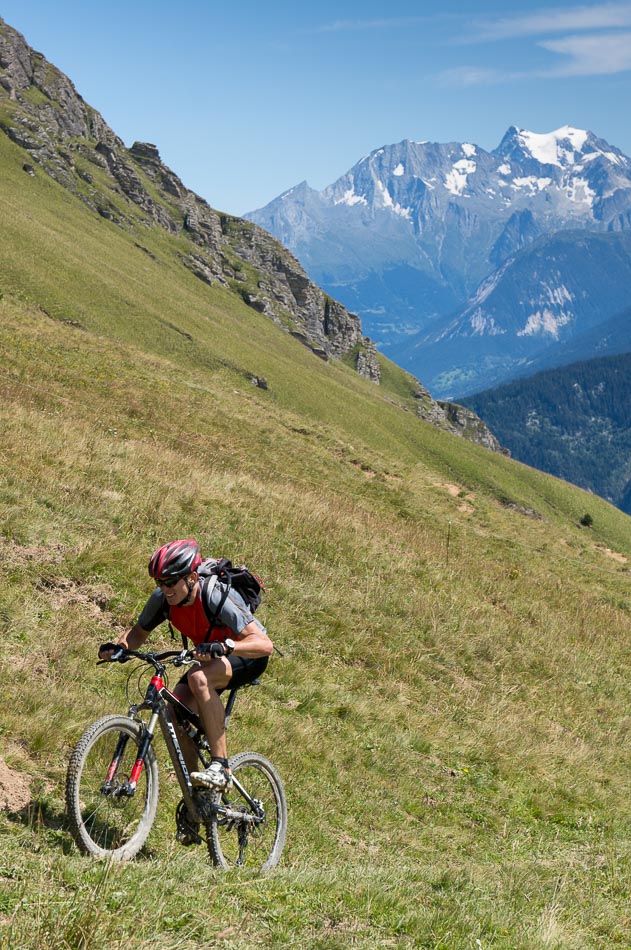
(108, 818)
(249, 823)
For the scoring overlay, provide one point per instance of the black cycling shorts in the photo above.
(244, 670)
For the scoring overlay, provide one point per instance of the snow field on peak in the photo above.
(350, 198)
(389, 203)
(546, 147)
(456, 179)
(535, 184)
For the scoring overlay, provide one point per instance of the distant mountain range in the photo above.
(561, 298)
(466, 265)
(573, 421)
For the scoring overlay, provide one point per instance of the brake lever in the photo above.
(185, 659)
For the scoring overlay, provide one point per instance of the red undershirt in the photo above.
(192, 622)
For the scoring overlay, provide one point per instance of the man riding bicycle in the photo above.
(232, 651)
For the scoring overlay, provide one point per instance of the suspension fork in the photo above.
(152, 701)
(142, 752)
(129, 787)
(113, 769)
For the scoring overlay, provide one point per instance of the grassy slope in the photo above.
(449, 717)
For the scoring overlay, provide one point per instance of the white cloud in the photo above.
(596, 44)
(598, 54)
(605, 16)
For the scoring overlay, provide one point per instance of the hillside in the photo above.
(572, 422)
(62, 136)
(450, 714)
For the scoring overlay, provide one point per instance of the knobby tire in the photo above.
(226, 837)
(110, 826)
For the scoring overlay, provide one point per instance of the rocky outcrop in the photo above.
(47, 111)
(367, 362)
(456, 419)
(464, 422)
(288, 296)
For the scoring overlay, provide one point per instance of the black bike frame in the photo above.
(157, 698)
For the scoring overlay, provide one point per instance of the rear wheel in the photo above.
(249, 823)
(106, 818)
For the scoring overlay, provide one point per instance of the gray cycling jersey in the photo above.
(234, 614)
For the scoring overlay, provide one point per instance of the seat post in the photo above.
(232, 695)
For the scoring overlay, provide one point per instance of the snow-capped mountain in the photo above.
(415, 232)
(553, 302)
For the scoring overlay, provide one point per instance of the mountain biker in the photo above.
(232, 652)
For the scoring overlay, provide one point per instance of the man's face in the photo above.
(183, 590)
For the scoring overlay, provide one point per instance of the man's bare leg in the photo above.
(204, 684)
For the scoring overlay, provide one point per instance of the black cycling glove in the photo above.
(117, 647)
(213, 649)
(109, 646)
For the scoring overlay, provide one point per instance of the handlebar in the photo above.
(175, 657)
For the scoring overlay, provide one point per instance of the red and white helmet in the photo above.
(175, 559)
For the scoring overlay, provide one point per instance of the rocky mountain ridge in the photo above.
(42, 113)
(45, 115)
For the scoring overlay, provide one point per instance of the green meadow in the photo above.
(451, 712)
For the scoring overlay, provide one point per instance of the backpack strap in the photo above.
(208, 585)
(184, 639)
(171, 630)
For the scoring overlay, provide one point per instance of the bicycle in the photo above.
(112, 783)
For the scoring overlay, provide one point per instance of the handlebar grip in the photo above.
(119, 656)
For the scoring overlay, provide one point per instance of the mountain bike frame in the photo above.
(113, 784)
(158, 699)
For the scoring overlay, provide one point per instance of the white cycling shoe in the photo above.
(215, 776)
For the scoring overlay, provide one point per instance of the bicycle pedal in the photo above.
(188, 837)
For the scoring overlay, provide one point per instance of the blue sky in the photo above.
(245, 101)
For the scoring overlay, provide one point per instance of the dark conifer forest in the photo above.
(573, 422)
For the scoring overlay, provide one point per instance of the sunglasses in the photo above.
(171, 582)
